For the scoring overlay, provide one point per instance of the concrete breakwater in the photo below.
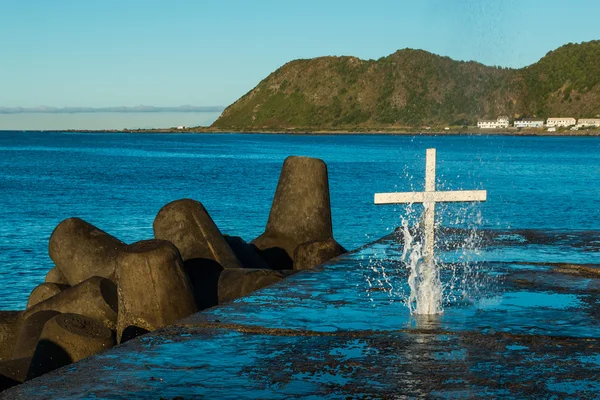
(336, 331)
(103, 292)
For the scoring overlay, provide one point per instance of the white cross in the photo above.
(429, 197)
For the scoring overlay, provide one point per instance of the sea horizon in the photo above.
(104, 120)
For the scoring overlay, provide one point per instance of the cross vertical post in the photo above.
(429, 213)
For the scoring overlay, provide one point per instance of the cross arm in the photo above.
(436, 197)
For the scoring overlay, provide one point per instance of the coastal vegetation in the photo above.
(415, 89)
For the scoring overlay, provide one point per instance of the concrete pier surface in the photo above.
(526, 326)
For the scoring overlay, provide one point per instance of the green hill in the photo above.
(416, 88)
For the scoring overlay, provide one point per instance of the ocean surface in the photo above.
(118, 182)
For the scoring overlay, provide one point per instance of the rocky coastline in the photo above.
(352, 131)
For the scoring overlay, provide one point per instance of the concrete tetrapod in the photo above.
(10, 323)
(153, 290)
(95, 298)
(68, 338)
(13, 372)
(44, 291)
(300, 212)
(55, 276)
(187, 225)
(30, 332)
(310, 254)
(80, 251)
(239, 282)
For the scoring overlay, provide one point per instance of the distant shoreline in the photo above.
(453, 132)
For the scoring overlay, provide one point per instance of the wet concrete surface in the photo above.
(524, 328)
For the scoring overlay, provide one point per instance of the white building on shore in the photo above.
(487, 123)
(561, 121)
(529, 123)
(500, 122)
(588, 122)
(503, 121)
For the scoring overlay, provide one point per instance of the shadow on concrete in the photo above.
(204, 276)
(48, 356)
(276, 257)
(131, 332)
(6, 382)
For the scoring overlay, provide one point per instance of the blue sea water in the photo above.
(118, 182)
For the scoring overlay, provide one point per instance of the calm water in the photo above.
(119, 182)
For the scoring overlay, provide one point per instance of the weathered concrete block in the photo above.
(55, 276)
(10, 323)
(247, 254)
(187, 225)
(310, 254)
(239, 282)
(80, 251)
(300, 212)
(44, 291)
(13, 372)
(153, 290)
(95, 298)
(29, 334)
(68, 338)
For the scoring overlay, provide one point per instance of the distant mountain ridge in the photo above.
(417, 88)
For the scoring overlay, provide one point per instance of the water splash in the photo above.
(452, 275)
(402, 274)
(424, 281)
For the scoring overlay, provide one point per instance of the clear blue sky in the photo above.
(209, 52)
